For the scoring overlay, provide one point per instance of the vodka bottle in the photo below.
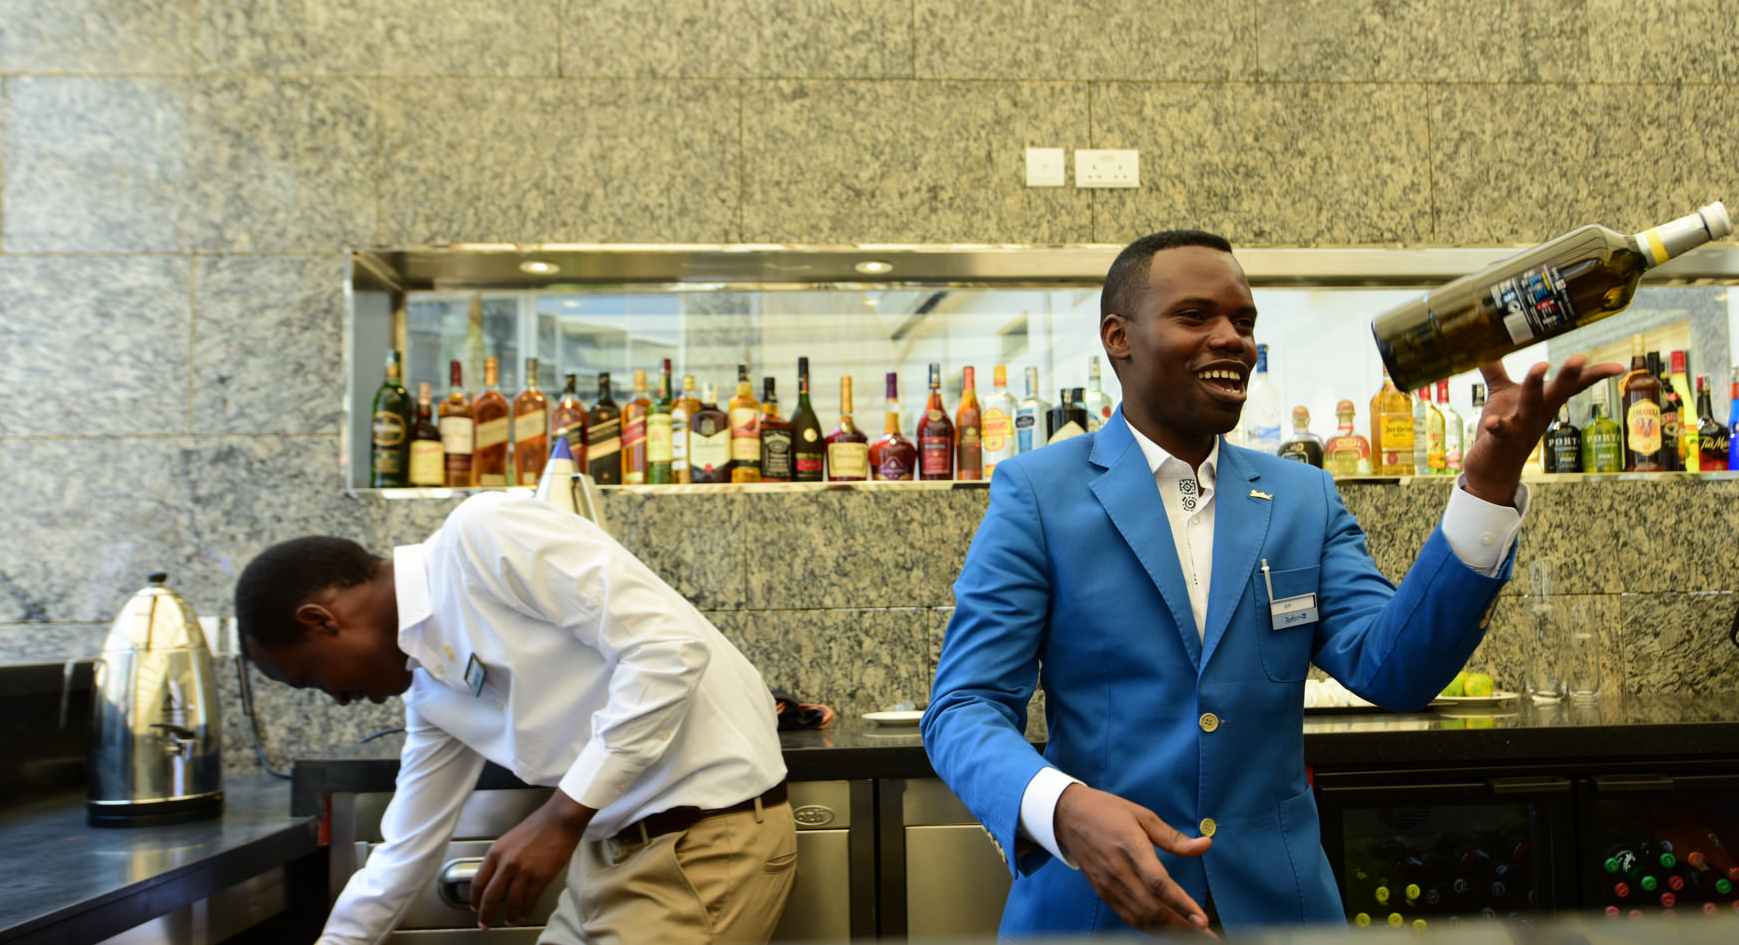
(1261, 417)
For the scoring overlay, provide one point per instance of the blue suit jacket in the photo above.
(1073, 581)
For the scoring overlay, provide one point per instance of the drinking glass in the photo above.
(1545, 656)
(1582, 658)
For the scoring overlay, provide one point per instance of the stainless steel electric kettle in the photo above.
(154, 742)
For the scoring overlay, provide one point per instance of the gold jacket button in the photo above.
(1208, 826)
(1210, 721)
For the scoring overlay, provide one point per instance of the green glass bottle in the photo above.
(389, 461)
(1602, 438)
(659, 433)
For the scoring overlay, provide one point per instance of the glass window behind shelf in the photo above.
(1320, 349)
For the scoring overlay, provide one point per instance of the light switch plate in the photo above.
(1044, 167)
(1107, 168)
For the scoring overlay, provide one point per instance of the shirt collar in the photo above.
(411, 588)
(1157, 458)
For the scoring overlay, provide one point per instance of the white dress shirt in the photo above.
(1479, 533)
(596, 677)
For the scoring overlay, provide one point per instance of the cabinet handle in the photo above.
(454, 883)
(1632, 782)
(1545, 785)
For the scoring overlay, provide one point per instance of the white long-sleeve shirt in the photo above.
(597, 678)
(1478, 532)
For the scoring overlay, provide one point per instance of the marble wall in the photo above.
(178, 179)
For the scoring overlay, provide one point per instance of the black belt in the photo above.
(682, 818)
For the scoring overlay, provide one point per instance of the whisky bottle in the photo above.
(634, 432)
(1303, 446)
(1098, 403)
(1454, 433)
(458, 430)
(893, 457)
(969, 431)
(808, 447)
(1066, 420)
(775, 437)
(427, 460)
(1602, 439)
(660, 432)
(1712, 436)
(1029, 416)
(998, 422)
(709, 440)
(390, 453)
(1572, 280)
(847, 446)
(530, 429)
(604, 437)
(567, 421)
(494, 419)
(1639, 393)
(935, 434)
(1347, 453)
(1391, 430)
(745, 414)
(1563, 445)
(1669, 457)
(682, 413)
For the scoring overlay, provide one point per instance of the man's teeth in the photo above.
(1221, 375)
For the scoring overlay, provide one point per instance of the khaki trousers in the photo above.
(725, 879)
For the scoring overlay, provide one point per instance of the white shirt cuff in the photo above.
(1038, 810)
(1479, 532)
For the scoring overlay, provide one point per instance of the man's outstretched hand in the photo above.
(1516, 416)
(1112, 840)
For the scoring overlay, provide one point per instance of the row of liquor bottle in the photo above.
(687, 437)
(1686, 867)
(1665, 428)
(1410, 882)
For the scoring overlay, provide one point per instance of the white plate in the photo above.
(1497, 697)
(909, 717)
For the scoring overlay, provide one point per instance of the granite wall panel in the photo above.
(96, 37)
(1425, 41)
(746, 39)
(1118, 40)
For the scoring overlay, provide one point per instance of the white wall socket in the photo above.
(1044, 167)
(1107, 168)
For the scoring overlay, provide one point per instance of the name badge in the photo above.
(474, 675)
(1287, 612)
(1292, 611)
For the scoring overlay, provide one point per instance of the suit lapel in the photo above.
(1240, 527)
(1131, 498)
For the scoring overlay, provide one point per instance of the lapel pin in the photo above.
(1260, 495)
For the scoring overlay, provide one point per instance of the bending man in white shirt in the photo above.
(524, 635)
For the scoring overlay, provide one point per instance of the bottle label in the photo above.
(996, 430)
(1534, 304)
(848, 461)
(1643, 422)
(1564, 451)
(936, 455)
(811, 435)
(659, 442)
(893, 468)
(709, 455)
(1266, 439)
(1344, 460)
(456, 437)
(530, 425)
(389, 429)
(1068, 431)
(745, 435)
(428, 463)
(1295, 451)
(492, 433)
(1397, 439)
(809, 466)
(775, 455)
(678, 438)
(604, 438)
(1025, 426)
(1603, 451)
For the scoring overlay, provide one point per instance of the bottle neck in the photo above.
(1661, 243)
(1346, 424)
(892, 425)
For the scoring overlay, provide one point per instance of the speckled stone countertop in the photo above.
(1513, 733)
(69, 882)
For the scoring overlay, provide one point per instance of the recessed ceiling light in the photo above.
(873, 266)
(537, 267)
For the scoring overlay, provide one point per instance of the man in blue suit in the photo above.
(1170, 591)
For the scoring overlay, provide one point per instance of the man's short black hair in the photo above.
(283, 578)
(1128, 274)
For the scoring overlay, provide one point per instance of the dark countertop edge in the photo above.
(1619, 744)
(116, 911)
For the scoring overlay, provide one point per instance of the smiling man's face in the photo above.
(1187, 350)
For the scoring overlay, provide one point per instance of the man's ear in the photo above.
(316, 618)
(1114, 336)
